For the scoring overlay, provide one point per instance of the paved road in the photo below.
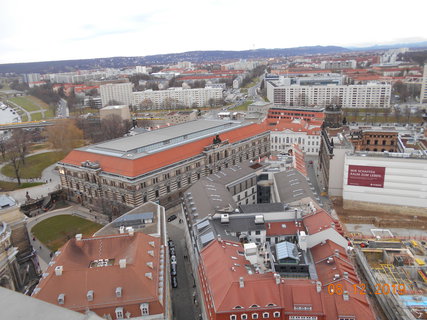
(183, 305)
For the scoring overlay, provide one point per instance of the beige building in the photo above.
(181, 116)
(423, 94)
(121, 111)
(117, 92)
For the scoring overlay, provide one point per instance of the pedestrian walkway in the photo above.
(49, 176)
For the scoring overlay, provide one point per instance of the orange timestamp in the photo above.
(361, 288)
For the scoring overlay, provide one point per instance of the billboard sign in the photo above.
(366, 176)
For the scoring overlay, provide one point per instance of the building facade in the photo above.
(177, 97)
(372, 95)
(423, 93)
(375, 141)
(119, 93)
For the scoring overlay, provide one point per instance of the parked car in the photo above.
(172, 251)
(173, 259)
(171, 244)
(173, 270)
(174, 282)
(172, 218)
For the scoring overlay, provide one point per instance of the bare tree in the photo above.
(3, 147)
(114, 127)
(20, 139)
(14, 155)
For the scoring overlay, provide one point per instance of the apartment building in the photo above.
(177, 97)
(339, 64)
(120, 93)
(371, 95)
(116, 175)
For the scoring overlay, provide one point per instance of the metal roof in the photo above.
(286, 250)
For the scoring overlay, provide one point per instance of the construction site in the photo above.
(396, 273)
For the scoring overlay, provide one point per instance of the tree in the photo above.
(407, 112)
(386, 114)
(14, 155)
(401, 89)
(114, 127)
(64, 135)
(20, 139)
(146, 104)
(3, 146)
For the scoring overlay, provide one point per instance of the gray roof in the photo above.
(262, 207)
(16, 305)
(238, 223)
(205, 197)
(164, 138)
(6, 202)
(293, 186)
(229, 175)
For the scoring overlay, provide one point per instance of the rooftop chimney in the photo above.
(119, 292)
(58, 270)
(277, 278)
(122, 229)
(78, 237)
(122, 263)
(130, 230)
(61, 298)
(225, 218)
(89, 295)
(259, 219)
(318, 286)
(241, 282)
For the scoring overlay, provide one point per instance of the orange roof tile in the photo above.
(78, 278)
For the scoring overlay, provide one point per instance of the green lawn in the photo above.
(34, 165)
(36, 116)
(26, 103)
(10, 186)
(243, 106)
(54, 232)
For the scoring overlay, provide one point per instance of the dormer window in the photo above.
(254, 306)
(144, 309)
(238, 307)
(119, 312)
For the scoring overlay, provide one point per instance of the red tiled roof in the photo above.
(133, 168)
(78, 278)
(277, 229)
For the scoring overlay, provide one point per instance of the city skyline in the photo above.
(95, 30)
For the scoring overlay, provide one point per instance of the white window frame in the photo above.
(233, 317)
(255, 316)
(119, 313)
(145, 309)
(266, 315)
(244, 316)
(276, 314)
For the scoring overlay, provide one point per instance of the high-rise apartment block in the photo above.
(119, 93)
(423, 94)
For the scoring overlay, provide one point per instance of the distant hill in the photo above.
(193, 56)
(411, 45)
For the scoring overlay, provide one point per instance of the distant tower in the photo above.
(423, 94)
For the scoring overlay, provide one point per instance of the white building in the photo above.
(141, 69)
(423, 94)
(175, 97)
(31, 77)
(297, 131)
(348, 64)
(121, 93)
(349, 96)
(385, 182)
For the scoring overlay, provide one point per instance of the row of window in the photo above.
(265, 315)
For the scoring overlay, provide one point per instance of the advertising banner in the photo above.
(366, 176)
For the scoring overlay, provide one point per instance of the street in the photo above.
(183, 305)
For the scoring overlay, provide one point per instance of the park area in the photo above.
(54, 232)
(36, 107)
(34, 165)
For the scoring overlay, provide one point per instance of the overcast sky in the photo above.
(58, 30)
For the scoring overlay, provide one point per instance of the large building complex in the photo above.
(116, 93)
(372, 95)
(158, 165)
(281, 260)
(177, 97)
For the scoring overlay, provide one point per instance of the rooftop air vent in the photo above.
(89, 295)
(119, 292)
(122, 263)
(58, 270)
(225, 218)
(61, 298)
